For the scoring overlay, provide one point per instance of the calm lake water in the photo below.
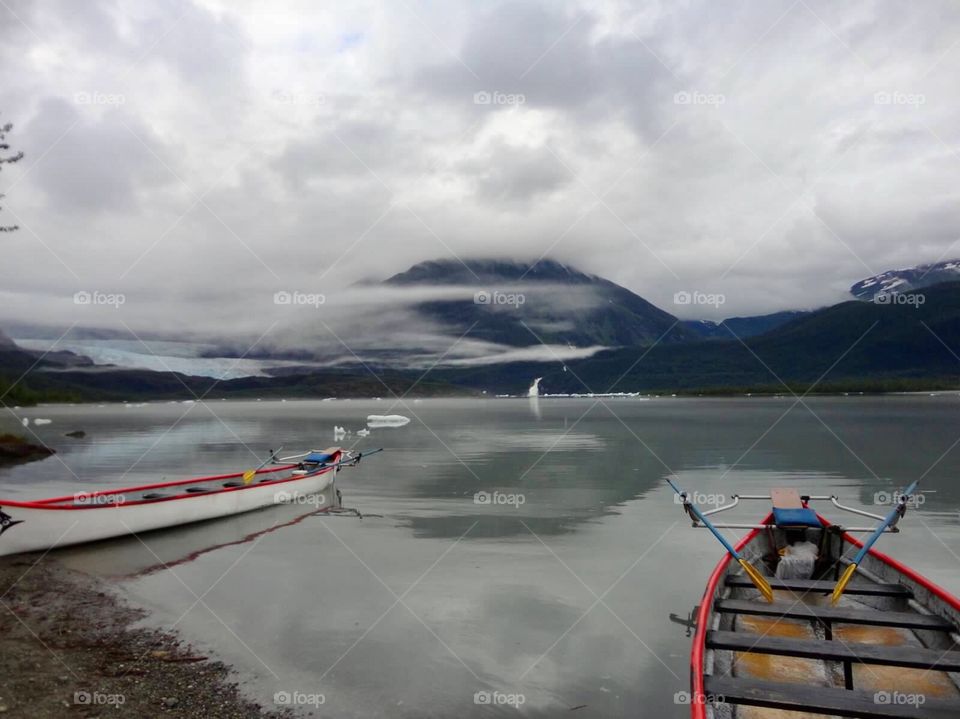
(562, 599)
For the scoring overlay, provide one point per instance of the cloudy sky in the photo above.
(198, 157)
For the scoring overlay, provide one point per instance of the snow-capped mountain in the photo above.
(911, 278)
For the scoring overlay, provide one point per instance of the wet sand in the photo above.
(69, 646)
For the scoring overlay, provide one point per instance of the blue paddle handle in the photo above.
(716, 532)
(882, 527)
(706, 522)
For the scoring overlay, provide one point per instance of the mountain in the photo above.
(912, 278)
(850, 345)
(854, 345)
(559, 305)
(743, 327)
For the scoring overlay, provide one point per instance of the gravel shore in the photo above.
(68, 648)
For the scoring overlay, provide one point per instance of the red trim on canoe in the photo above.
(52, 502)
(906, 571)
(698, 707)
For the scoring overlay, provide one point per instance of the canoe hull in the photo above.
(33, 528)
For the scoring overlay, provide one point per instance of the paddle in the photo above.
(356, 460)
(755, 576)
(895, 514)
(251, 473)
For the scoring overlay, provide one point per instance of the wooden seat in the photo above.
(915, 657)
(841, 615)
(825, 700)
(786, 498)
(818, 585)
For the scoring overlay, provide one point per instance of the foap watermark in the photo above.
(99, 98)
(913, 299)
(296, 97)
(496, 297)
(900, 699)
(500, 498)
(298, 699)
(499, 699)
(911, 99)
(714, 299)
(98, 699)
(97, 498)
(108, 299)
(888, 499)
(495, 97)
(695, 97)
(702, 498)
(298, 299)
(312, 500)
(687, 698)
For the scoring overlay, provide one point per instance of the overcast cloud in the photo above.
(200, 156)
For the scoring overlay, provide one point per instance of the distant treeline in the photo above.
(15, 393)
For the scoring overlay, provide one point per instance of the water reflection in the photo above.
(496, 596)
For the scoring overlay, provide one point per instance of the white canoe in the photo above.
(88, 517)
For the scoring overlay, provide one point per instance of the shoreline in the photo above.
(69, 644)
(665, 394)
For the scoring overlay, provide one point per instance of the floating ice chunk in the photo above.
(387, 420)
(26, 421)
(363, 432)
(534, 390)
(42, 421)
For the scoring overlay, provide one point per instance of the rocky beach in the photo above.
(70, 646)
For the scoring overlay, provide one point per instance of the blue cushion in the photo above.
(317, 458)
(804, 517)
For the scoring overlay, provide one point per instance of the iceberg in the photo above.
(387, 420)
(534, 390)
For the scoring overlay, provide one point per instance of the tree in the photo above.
(5, 157)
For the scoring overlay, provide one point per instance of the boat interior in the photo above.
(887, 648)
